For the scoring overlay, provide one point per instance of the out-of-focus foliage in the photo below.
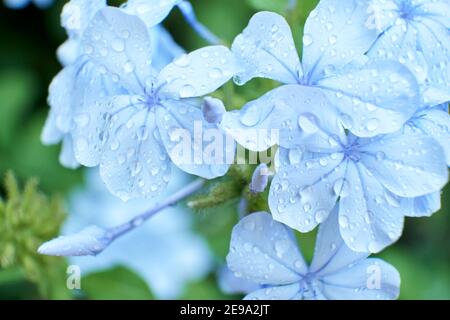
(28, 42)
(27, 218)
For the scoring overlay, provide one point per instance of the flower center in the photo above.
(352, 151)
(311, 286)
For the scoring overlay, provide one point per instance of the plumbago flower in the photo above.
(134, 133)
(20, 4)
(155, 251)
(376, 180)
(416, 33)
(372, 97)
(265, 252)
(70, 87)
(379, 177)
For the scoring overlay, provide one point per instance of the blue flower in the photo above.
(373, 97)
(375, 179)
(133, 133)
(265, 252)
(20, 4)
(164, 251)
(416, 33)
(70, 87)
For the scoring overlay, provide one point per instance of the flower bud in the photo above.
(260, 179)
(88, 242)
(213, 110)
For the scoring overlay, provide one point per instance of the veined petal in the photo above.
(424, 206)
(67, 155)
(335, 33)
(408, 164)
(134, 162)
(198, 73)
(374, 99)
(435, 123)
(119, 43)
(77, 14)
(151, 12)
(302, 196)
(331, 254)
(290, 116)
(370, 279)
(266, 49)
(194, 145)
(371, 217)
(264, 251)
(287, 292)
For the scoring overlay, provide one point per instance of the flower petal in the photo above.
(335, 33)
(425, 206)
(194, 145)
(264, 251)
(198, 73)
(331, 254)
(288, 292)
(370, 218)
(409, 164)
(119, 44)
(266, 49)
(370, 279)
(291, 116)
(436, 124)
(376, 98)
(134, 162)
(151, 12)
(303, 195)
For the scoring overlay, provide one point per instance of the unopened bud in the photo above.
(213, 110)
(260, 179)
(88, 242)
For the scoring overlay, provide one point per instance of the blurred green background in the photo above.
(28, 42)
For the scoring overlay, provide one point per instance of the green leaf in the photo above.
(206, 289)
(116, 283)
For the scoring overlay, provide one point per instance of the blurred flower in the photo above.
(20, 4)
(164, 250)
(265, 252)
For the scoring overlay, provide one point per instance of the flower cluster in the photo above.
(362, 117)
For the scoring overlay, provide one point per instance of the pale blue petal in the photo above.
(436, 124)
(230, 284)
(435, 44)
(425, 206)
(16, 4)
(67, 155)
(370, 217)
(119, 43)
(358, 282)
(266, 49)
(151, 12)
(287, 292)
(437, 10)
(194, 145)
(77, 14)
(51, 133)
(409, 165)
(68, 52)
(164, 48)
(331, 254)
(377, 98)
(291, 116)
(92, 111)
(335, 33)
(265, 251)
(134, 162)
(60, 91)
(198, 73)
(302, 196)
